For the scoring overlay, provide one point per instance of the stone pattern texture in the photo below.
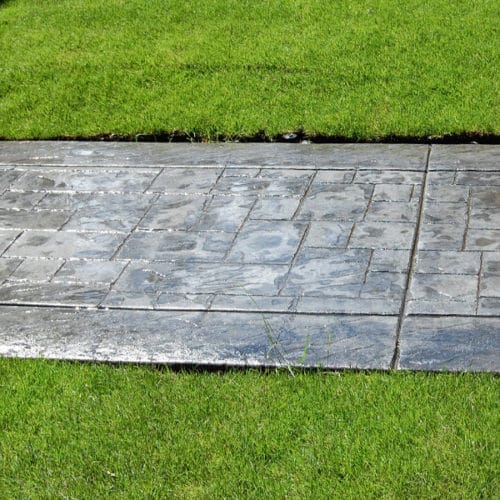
(216, 238)
(458, 261)
(318, 255)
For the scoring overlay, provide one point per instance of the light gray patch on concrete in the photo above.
(267, 242)
(37, 270)
(448, 262)
(335, 202)
(95, 180)
(328, 234)
(172, 246)
(483, 239)
(445, 213)
(445, 193)
(20, 201)
(275, 208)
(392, 261)
(450, 344)
(23, 219)
(441, 237)
(385, 211)
(393, 192)
(65, 245)
(52, 294)
(225, 213)
(178, 212)
(383, 235)
(380, 285)
(443, 287)
(185, 181)
(89, 272)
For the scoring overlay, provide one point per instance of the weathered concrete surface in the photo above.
(363, 256)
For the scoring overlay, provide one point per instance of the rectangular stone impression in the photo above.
(221, 279)
(176, 245)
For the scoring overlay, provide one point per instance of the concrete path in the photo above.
(365, 256)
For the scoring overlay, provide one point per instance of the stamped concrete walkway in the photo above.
(365, 256)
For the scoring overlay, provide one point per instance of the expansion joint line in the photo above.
(412, 263)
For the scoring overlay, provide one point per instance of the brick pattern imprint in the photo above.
(300, 250)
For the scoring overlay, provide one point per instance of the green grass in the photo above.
(361, 69)
(85, 431)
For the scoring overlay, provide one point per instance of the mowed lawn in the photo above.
(92, 431)
(358, 69)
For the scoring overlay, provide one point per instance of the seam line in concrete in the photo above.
(112, 284)
(294, 258)
(304, 195)
(413, 257)
(478, 289)
(4, 253)
(237, 233)
(153, 180)
(88, 307)
(208, 311)
(467, 219)
(134, 229)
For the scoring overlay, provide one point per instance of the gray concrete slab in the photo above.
(104, 155)
(338, 255)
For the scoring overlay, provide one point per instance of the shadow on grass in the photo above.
(290, 137)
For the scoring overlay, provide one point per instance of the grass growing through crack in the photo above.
(360, 69)
(89, 430)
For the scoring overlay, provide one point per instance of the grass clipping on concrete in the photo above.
(359, 69)
(92, 431)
